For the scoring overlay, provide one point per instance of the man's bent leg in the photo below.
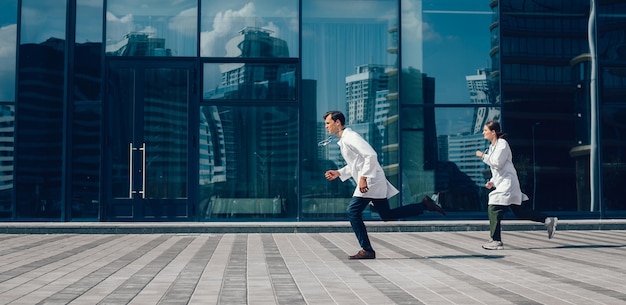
(410, 210)
(355, 215)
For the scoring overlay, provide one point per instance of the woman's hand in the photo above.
(489, 185)
(480, 154)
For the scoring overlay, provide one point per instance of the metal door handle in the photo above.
(143, 169)
(130, 171)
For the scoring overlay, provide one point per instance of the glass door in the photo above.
(149, 142)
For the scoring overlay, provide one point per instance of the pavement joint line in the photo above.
(293, 227)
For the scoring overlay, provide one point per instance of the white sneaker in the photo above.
(550, 224)
(435, 198)
(493, 245)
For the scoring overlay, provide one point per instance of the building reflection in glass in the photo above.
(40, 130)
(152, 28)
(8, 32)
(248, 155)
(423, 113)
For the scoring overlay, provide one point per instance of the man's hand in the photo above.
(489, 185)
(331, 174)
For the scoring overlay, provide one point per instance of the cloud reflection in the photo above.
(225, 24)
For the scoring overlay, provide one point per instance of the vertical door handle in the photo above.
(131, 191)
(143, 169)
(130, 171)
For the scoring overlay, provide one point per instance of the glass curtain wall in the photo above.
(249, 126)
(158, 28)
(8, 39)
(40, 140)
(416, 78)
(545, 90)
(350, 64)
(448, 91)
(611, 50)
(86, 111)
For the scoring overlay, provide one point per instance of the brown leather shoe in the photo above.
(430, 205)
(363, 254)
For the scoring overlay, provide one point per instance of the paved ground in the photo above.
(436, 267)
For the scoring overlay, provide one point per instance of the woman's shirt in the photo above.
(503, 175)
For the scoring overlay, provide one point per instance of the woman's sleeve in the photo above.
(497, 158)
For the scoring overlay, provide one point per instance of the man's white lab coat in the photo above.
(362, 160)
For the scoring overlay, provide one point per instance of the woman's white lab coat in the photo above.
(362, 160)
(503, 175)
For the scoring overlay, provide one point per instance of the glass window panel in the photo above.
(539, 89)
(89, 21)
(350, 55)
(244, 28)
(613, 160)
(151, 28)
(87, 116)
(248, 158)
(8, 39)
(440, 157)
(42, 21)
(246, 81)
(341, 41)
(41, 111)
(455, 33)
(165, 132)
(438, 144)
(611, 52)
(613, 85)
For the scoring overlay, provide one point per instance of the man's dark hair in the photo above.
(336, 115)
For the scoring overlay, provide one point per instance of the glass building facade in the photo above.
(199, 110)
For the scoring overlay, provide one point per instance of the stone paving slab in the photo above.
(440, 267)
